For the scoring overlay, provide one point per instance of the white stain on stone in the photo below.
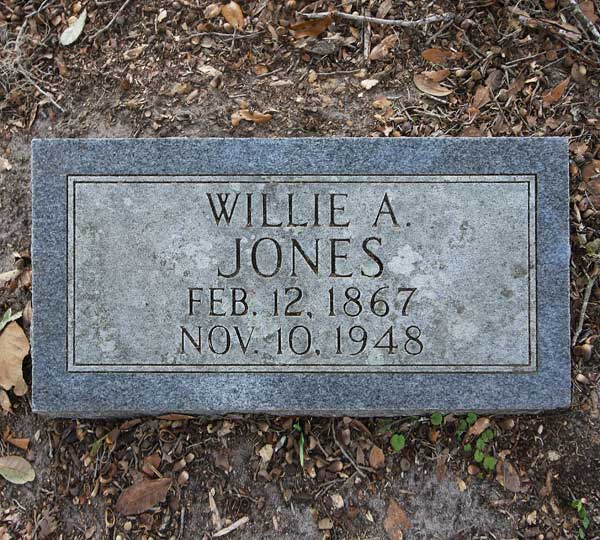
(405, 261)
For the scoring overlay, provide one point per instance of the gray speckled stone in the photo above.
(467, 241)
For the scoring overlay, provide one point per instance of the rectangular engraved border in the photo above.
(73, 366)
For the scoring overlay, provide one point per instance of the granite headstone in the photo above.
(326, 276)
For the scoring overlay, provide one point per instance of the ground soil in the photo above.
(172, 69)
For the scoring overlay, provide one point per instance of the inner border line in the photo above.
(283, 368)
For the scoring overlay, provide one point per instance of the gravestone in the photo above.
(325, 276)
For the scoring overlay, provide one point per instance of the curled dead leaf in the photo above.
(254, 116)
(311, 28)
(233, 14)
(14, 346)
(142, 495)
(429, 82)
(554, 95)
(478, 427)
(382, 49)
(376, 457)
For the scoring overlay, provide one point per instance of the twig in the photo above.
(586, 299)
(346, 453)
(111, 22)
(232, 527)
(375, 20)
(585, 20)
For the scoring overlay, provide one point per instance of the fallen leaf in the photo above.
(14, 346)
(478, 427)
(383, 9)
(325, 524)
(266, 452)
(382, 49)
(440, 56)
(546, 490)
(142, 495)
(481, 98)
(21, 443)
(245, 114)
(554, 95)
(233, 14)
(382, 103)
(311, 28)
(376, 457)
(135, 53)
(591, 171)
(587, 7)
(508, 477)
(72, 33)
(428, 82)
(151, 464)
(396, 521)
(16, 469)
(212, 10)
(222, 460)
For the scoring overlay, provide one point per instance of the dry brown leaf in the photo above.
(311, 28)
(588, 10)
(546, 490)
(508, 477)
(135, 53)
(222, 460)
(591, 171)
(14, 346)
(21, 443)
(478, 427)
(151, 464)
(233, 14)
(376, 457)
(481, 98)
(382, 49)
(142, 495)
(428, 82)
(383, 9)
(440, 56)
(254, 116)
(554, 95)
(212, 10)
(396, 521)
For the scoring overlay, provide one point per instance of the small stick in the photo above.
(586, 299)
(585, 20)
(346, 453)
(125, 4)
(375, 20)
